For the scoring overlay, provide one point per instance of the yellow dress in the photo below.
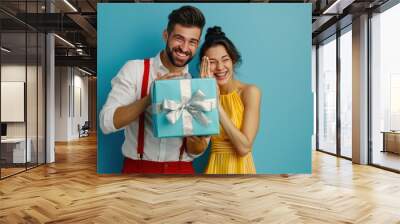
(223, 158)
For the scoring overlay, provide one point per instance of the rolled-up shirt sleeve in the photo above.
(123, 92)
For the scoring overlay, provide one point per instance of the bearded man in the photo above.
(128, 106)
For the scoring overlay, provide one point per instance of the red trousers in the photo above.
(152, 167)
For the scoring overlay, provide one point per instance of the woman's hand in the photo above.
(205, 68)
(205, 71)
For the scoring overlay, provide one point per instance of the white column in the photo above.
(50, 93)
(50, 110)
(360, 90)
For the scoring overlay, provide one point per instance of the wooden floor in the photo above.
(387, 159)
(8, 171)
(70, 191)
(5, 172)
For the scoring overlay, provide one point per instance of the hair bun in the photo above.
(214, 31)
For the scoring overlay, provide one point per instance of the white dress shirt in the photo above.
(126, 89)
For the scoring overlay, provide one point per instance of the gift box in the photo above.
(184, 107)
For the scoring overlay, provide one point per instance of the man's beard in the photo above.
(169, 52)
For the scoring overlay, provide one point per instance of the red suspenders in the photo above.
(145, 84)
(140, 137)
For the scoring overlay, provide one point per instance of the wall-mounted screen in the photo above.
(12, 101)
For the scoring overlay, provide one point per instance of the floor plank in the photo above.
(70, 191)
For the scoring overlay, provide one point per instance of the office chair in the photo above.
(84, 130)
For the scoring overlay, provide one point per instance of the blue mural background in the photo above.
(276, 52)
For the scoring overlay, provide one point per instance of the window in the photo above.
(327, 95)
(346, 74)
(385, 88)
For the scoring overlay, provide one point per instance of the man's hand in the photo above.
(199, 139)
(197, 144)
(170, 75)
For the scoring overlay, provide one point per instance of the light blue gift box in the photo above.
(184, 107)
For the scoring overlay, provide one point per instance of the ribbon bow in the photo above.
(194, 107)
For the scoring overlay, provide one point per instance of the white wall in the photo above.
(80, 84)
(61, 103)
(12, 73)
(70, 83)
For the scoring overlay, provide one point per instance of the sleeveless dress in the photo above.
(223, 158)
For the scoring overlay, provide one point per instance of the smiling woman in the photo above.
(239, 107)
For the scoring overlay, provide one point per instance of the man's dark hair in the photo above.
(187, 16)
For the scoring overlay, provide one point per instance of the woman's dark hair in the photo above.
(214, 37)
(186, 16)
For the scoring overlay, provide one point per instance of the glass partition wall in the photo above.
(334, 86)
(22, 88)
(345, 62)
(327, 95)
(385, 89)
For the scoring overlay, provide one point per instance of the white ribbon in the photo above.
(188, 108)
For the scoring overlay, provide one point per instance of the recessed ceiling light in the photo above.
(64, 40)
(5, 50)
(70, 5)
(84, 71)
(337, 7)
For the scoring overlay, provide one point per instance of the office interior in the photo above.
(48, 76)
(48, 80)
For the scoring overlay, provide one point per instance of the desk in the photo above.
(391, 141)
(13, 150)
